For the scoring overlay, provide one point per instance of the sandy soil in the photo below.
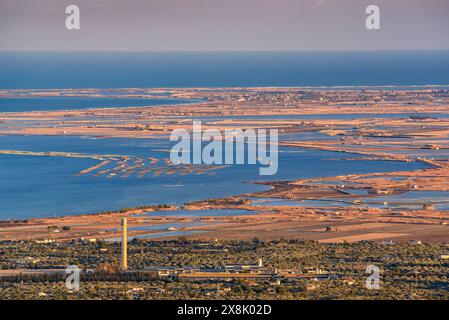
(371, 137)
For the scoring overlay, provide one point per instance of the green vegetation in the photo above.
(408, 271)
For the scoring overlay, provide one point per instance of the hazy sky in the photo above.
(192, 25)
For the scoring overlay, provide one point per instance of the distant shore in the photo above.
(357, 218)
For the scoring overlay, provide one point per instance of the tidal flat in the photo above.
(345, 155)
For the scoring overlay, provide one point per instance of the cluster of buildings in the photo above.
(227, 272)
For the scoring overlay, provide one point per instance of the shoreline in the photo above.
(405, 86)
(371, 138)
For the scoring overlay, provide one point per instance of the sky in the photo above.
(223, 25)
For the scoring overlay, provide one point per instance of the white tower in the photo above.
(124, 261)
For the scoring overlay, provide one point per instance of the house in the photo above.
(312, 286)
(385, 191)
(53, 229)
(332, 229)
(430, 147)
(226, 289)
(252, 268)
(349, 282)
(45, 241)
(28, 260)
(276, 282)
(428, 206)
(167, 272)
(135, 292)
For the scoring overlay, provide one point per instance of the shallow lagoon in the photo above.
(37, 186)
(23, 104)
(406, 200)
(328, 116)
(201, 213)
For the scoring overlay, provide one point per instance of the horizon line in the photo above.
(225, 51)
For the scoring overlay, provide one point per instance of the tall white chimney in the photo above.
(124, 261)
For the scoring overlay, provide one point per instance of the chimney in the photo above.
(124, 261)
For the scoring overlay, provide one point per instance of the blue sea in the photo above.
(37, 186)
(215, 69)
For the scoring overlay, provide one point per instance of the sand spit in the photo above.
(372, 124)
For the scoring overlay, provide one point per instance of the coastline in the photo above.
(270, 218)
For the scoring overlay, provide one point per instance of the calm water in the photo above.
(34, 186)
(201, 213)
(64, 103)
(125, 70)
(338, 116)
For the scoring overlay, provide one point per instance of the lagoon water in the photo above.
(36, 186)
(23, 104)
